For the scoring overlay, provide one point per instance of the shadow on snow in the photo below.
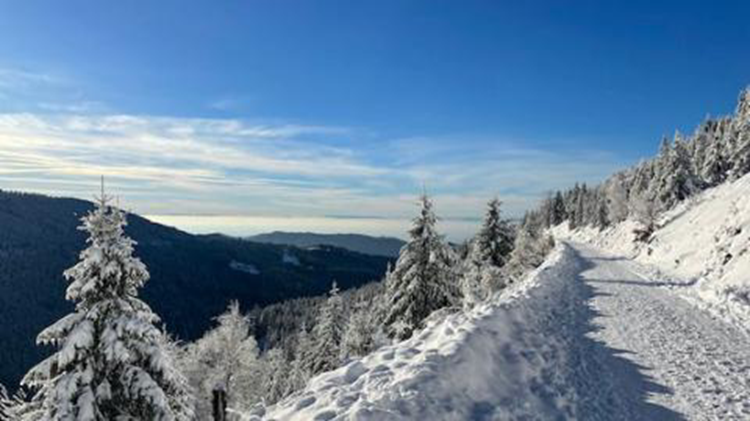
(609, 385)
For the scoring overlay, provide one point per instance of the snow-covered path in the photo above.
(671, 360)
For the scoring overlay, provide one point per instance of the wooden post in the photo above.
(219, 404)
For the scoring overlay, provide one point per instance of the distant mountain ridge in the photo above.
(376, 246)
(192, 277)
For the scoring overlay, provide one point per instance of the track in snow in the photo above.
(657, 356)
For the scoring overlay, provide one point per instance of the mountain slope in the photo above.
(377, 246)
(192, 277)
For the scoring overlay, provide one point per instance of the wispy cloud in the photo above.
(173, 165)
(231, 102)
(40, 91)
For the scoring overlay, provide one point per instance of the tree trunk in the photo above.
(219, 404)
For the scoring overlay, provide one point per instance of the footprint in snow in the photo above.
(353, 372)
(304, 403)
(325, 415)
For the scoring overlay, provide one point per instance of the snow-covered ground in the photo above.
(500, 360)
(703, 243)
(586, 337)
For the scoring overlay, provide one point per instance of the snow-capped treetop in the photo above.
(423, 279)
(107, 268)
(494, 241)
(112, 362)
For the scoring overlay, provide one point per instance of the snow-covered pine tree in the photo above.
(601, 209)
(277, 369)
(698, 147)
(299, 372)
(494, 241)
(715, 166)
(558, 209)
(571, 206)
(328, 333)
(530, 249)
(111, 362)
(741, 132)
(675, 180)
(361, 330)
(220, 358)
(617, 198)
(298, 377)
(488, 253)
(423, 279)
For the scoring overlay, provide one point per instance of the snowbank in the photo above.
(703, 242)
(502, 360)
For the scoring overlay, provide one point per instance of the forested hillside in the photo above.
(378, 246)
(718, 151)
(193, 277)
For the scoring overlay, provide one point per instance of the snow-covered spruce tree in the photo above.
(617, 198)
(531, 247)
(488, 253)
(698, 147)
(558, 210)
(277, 374)
(220, 358)
(325, 353)
(674, 180)
(112, 361)
(298, 377)
(494, 241)
(741, 132)
(361, 330)
(423, 279)
(716, 162)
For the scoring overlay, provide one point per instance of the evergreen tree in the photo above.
(699, 146)
(422, 281)
(558, 209)
(715, 166)
(741, 132)
(530, 250)
(675, 180)
(494, 241)
(359, 337)
(488, 253)
(112, 361)
(617, 198)
(329, 332)
(298, 377)
(277, 369)
(220, 359)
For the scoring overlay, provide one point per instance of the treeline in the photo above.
(718, 151)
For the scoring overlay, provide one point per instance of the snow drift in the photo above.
(505, 359)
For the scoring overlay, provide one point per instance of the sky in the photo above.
(348, 110)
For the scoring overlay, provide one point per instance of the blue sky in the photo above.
(314, 108)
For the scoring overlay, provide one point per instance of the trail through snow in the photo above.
(700, 364)
(585, 337)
